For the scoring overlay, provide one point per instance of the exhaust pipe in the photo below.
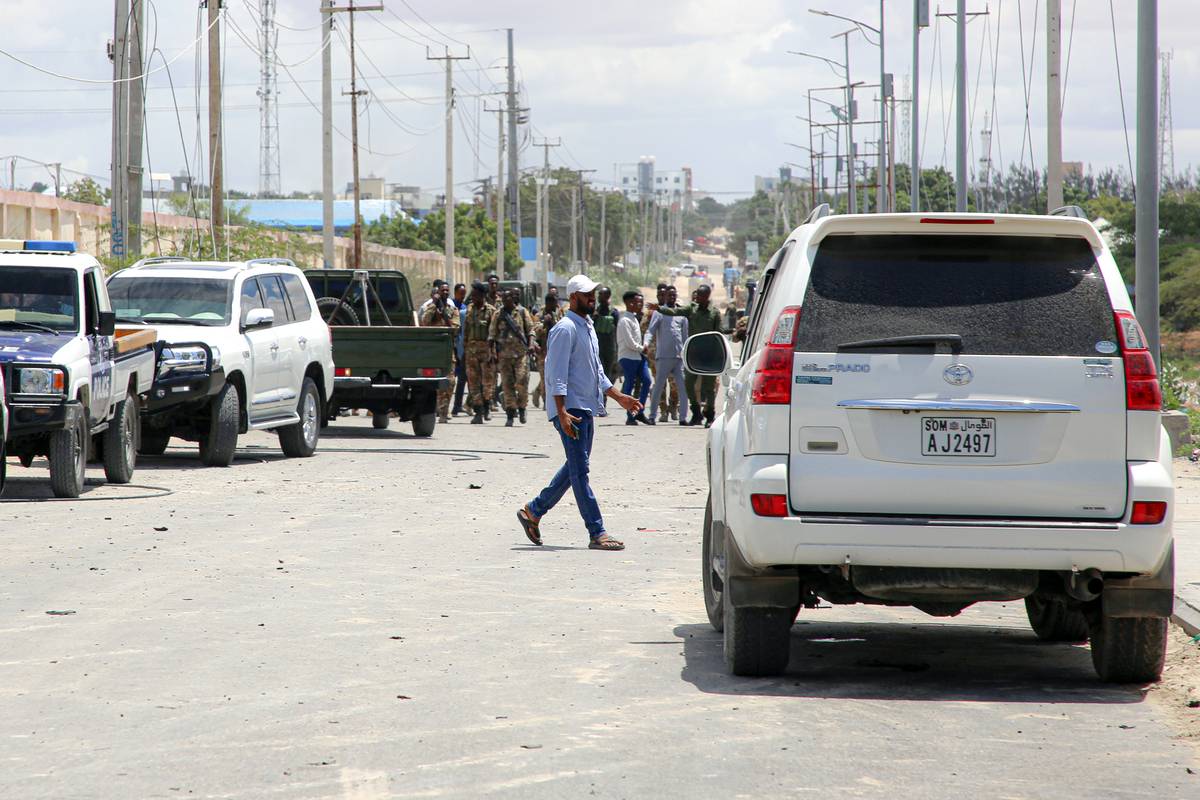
(1085, 586)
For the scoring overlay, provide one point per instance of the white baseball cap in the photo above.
(580, 283)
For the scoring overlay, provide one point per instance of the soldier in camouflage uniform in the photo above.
(480, 360)
(547, 317)
(443, 314)
(512, 336)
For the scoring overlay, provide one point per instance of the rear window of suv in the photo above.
(1004, 295)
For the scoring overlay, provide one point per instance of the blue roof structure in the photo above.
(529, 248)
(306, 214)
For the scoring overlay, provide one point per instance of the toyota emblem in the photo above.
(958, 374)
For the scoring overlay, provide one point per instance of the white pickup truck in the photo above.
(72, 381)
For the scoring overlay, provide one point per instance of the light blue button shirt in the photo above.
(573, 367)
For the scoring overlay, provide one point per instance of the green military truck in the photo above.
(383, 362)
(529, 295)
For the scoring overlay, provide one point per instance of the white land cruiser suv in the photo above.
(933, 411)
(243, 338)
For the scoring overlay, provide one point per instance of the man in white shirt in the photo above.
(631, 354)
(433, 296)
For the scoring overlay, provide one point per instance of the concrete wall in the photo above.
(26, 215)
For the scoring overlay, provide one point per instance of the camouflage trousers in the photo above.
(514, 381)
(479, 373)
(444, 396)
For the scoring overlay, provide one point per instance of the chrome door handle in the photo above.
(302, 341)
(274, 347)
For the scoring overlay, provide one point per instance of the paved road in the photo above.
(365, 624)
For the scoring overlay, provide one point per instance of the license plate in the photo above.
(958, 436)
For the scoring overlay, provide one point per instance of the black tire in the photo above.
(153, 441)
(380, 420)
(68, 459)
(714, 589)
(219, 445)
(1054, 621)
(26, 460)
(121, 442)
(757, 640)
(424, 424)
(300, 440)
(1129, 649)
(336, 311)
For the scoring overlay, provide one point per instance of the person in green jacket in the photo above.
(605, 323)
(702, 318)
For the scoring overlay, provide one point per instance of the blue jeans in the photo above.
(573, 475)
(634, 368)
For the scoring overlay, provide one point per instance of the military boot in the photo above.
(512, 415)
(521, 415)
(696, 415)
(478, 418)
(487, 411)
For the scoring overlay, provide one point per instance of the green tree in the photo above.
(86, 190)
(474, 237)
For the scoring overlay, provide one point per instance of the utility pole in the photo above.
(268, 102)
(216, 153)
(603, 229)
(543, 234)
(514, 177)
(449, 245)
(137, 121)
(1054, 169)
(501, 198)
(574, 226)
(849, 119)
(1146, 212)
(120, 121)
(920, 20)
(327, 223)
(881, 192)
(960, 162)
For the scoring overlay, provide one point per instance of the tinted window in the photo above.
(276, 301)
(37, 296)
(1004, 295)
(251, 298)
(145, 298)
(294, 286)
(91, 303)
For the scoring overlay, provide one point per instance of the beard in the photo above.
(584, 307)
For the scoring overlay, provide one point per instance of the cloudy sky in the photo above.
(703, 83)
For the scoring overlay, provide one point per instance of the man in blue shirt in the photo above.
(575, 390)
(460, 365)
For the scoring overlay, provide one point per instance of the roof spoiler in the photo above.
(820, 212)
(1069, 211)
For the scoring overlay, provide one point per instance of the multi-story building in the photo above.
(641, 180)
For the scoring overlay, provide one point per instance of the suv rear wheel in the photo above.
(379, 420)
(153, 441)
(1129, 649)
(424, 424)
(300, 440)
(757, 640)
(218, 447)
(714, 588)
(120, 442)
(1053, 621)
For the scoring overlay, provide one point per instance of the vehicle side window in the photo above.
(251, 298)
(275, 298)
(758, 324)
(91, 302)
(298, 297)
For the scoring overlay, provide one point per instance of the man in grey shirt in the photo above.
(668, 335)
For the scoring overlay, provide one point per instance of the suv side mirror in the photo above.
(106, 324)
(707, 354)
(259, 318)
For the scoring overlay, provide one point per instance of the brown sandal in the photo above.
(530, 525)
(605, 542)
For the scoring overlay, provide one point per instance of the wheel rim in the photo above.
(130, 435)
(715, 554)
(79, 451)
(308, 417)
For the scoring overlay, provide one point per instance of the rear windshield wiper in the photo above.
(920, 340)
(29, 326)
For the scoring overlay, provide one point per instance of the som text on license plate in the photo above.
(958, 436)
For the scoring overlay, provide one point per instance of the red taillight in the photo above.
(773, 377)
(1148, 512)
(1142, 391)
(428, 372)
(341, 372)
(769, 505)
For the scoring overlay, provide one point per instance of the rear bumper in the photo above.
(361, 392)
(811, 539)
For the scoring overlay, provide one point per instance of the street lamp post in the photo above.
(845, 67)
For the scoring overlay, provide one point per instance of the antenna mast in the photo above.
(268, 102)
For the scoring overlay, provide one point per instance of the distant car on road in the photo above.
(939, 410)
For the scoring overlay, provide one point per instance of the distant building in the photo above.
(643, 181)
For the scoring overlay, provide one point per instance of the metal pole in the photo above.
(1054, 170)
(881, 168)
(514, 178)
(137, 122)
(853, 179)
(892, 155)
(541, 273)
(603, 229)
(354, 146)
(960, 162)
(449, 247)
(914, 158)
(119, 213)
(574, 226)
(216, 153)
(1146, 223)
(500, 197)
(327, 224)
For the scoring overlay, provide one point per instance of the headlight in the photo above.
(39, 380)
(182, 360)
(216, 357)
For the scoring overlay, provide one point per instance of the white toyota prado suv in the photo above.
(933, 411)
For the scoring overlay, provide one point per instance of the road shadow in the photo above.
(905, 661)
(543, 548)
(34, 489)
(186, 458)
(339, 432)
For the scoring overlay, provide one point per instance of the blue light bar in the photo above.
(50, 246)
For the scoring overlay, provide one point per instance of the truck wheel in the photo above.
(1053, 621)
(68, 459)
(379, 420)
(219, 445)
(1129, 649)
(424, 424)
(757, 640)
(300, 440)
(120, 442)
(714, 589)
(153, 442)
(336, 311)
